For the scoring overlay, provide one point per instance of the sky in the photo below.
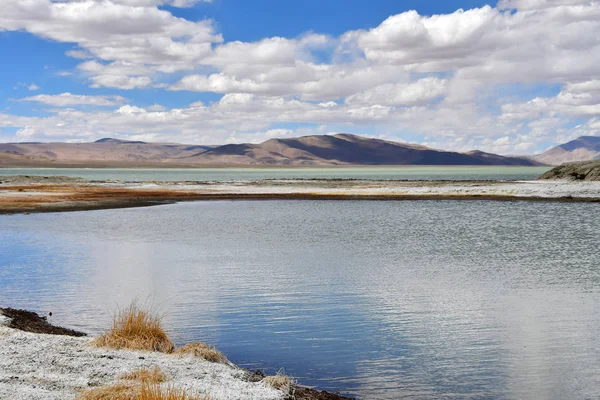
(509, 77)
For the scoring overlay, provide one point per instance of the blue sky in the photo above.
(455, 74)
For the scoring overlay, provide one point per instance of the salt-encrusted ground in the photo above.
(545, 189)
(36, 366)
(41, 194)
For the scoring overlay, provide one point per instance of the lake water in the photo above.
(245, 174)
(380, 300)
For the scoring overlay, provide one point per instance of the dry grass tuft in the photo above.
(149, 376)
(136, 329)
(202, 350)
(280, 381)
(119, 391)
(137, 392)
(155, 392)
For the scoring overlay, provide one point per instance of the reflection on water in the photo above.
(374, 299)
(246, 174)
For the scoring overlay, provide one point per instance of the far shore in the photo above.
(173, 165)
(32, 194)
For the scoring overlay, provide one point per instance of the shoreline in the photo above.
(92, 164)
(37, 194)
(138, 203)
(42, 361)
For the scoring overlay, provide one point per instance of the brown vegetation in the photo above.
(150, 376)
(281, 382)
(136, 329)
(119, 391)
(146, 391)
(143, 384)
(155, 392)
(202, 350)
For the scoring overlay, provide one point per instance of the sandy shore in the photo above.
(50, 194)
(37, 366)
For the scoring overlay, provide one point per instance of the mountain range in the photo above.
(339, 149)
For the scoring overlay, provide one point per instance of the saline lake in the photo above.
(374, 299)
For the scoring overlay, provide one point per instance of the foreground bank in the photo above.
(64, 364)
(51, 194)
(576, 171)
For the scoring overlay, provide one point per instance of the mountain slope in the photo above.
(345, 149)
(581, 149)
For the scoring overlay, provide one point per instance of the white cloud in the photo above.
(404, 94)
(131, 110)
(120, 82)
(489, 44)
(133, 32)
(537, 4)
(156, 107)
(443, 77)
(328, 104)
(68, 99)
(435, 43)
(306, 80)
(582, 87)
(575, 100)
(33, 87)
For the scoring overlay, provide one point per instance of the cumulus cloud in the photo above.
(576, 100)
(157, 107)
(68, 99)
(234, 112)
(305, 80)
(404, 94)
(133, 32)
(491, 45)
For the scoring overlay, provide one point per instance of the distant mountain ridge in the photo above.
(583, 148)
(113, 140)
(339, 149)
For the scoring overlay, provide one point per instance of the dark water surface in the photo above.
(380, 300)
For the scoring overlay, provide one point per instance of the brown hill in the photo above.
(581, 149)
(340, 149)
(345, 149)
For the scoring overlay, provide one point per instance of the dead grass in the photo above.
(155, 392)
(202, 350)
(119, 391)
(281, 382)
(137, 392)
(149, 376)
(136, 329)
